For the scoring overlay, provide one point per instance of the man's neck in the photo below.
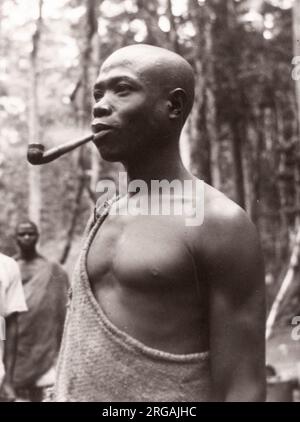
(28, 255)
(164, 164)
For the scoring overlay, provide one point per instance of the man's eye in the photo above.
(98, 95)
(123, 88)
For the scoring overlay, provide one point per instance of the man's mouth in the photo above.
(99, 127)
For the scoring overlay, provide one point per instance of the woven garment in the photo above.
(99, 362)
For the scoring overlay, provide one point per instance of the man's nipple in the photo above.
(155, 272)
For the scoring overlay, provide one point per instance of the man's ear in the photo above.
(177, 103)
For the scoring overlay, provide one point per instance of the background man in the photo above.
(40, 329)
(12, 302)
(161, 311)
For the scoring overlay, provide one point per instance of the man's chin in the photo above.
(111, 156)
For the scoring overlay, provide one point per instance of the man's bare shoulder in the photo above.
(228, 247)
(218, 208)
(226, 227)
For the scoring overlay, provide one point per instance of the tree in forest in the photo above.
(34, 132)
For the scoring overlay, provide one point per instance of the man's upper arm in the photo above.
(237, 311)
(14, 295)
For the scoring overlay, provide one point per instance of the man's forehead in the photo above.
(26, 227)
(117, 71)
(133, 63)
(129, 66)
(127, 57)
(115, 60)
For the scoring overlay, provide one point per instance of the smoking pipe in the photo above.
(37, 155)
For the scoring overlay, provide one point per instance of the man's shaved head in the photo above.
(158, 66)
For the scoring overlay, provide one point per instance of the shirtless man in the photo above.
(178, 310)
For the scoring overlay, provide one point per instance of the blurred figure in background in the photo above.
(12, 302)
(40, 330)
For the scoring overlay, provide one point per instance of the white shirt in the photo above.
(11, 298)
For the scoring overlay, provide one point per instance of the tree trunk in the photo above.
(73, 221)
(148, 13)
(90, 66)
(199, 147)
(173, 30)
(198, 137)
(282, 170)
(94, 60)
(87, 62)
(251, 169)
(35, 196)
(210, 90)
(238, 171)
(296, 32)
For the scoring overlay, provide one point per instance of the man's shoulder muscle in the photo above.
(227, 236)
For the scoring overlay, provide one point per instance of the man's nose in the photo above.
(102, 108)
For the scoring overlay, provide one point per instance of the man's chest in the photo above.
(29, 269)
(141, 250)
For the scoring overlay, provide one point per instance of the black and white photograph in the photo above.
(149, 203)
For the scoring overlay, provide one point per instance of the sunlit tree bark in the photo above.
(173, 33)
(35, 194)
(296, 33)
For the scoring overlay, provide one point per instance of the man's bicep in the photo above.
(237, 318)
(237, 348)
